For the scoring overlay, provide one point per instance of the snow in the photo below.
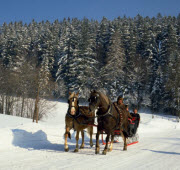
(27, 145)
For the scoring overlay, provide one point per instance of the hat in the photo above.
(120, 98)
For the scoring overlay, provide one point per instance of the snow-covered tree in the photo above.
(113, 72)
(68, 54)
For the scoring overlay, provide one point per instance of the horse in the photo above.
(108, 118)
(78, 118)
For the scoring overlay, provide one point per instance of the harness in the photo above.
(76, 116)
(109, 113)
(120, 113)
(73, 116)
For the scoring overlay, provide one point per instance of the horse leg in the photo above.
(77, 139)
(82, 134)
(124, 139)
(91, 133)
(66, 136)
(97, 143)
(106, 146)
(111, 145)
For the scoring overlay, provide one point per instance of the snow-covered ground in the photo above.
(25, 145)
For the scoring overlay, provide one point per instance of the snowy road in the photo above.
(26, 145)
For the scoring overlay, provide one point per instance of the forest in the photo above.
(138, 58)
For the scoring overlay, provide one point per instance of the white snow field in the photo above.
(25, 145)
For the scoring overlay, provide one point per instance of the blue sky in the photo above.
(26, 10)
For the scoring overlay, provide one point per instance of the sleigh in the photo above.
(132, 139)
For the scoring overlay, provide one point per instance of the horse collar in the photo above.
(108, 112)
(78, 113)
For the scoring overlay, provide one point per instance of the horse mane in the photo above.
(105, 97)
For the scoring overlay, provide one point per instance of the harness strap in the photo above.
(75, 117)
(108, 113)
(120, 113)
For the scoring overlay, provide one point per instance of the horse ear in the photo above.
(77, 94)
(70, 93)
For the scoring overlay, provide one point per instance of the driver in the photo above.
(122, 106)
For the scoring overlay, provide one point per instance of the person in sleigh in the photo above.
(133, 126)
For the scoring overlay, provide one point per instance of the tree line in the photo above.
(138, 58)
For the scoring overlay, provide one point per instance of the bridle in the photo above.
(73, 107)
(92, 103)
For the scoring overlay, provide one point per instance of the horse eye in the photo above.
(94, 98)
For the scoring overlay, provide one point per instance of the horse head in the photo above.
(73, 103)
(94, 101)
(98, 100)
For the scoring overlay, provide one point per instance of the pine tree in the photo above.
(169, 47)
(157, 91)
(69, 45)
(103, 36)
(80, 55)
(86, 60)
(113, 72)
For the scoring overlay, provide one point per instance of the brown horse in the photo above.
(78, 118)
(109, 119)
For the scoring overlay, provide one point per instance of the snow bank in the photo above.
(27, 145)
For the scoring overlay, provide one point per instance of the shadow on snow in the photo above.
(39, 141)
(34, 141)
(163, 152)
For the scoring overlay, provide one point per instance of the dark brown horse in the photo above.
(108, 119)
(78, 118)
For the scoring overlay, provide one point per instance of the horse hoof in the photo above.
(96, 152)
(104, 152)
(81, 147)
(109, 150)
(66, 150)
(124, 149)
(91, 145)
(75, 150)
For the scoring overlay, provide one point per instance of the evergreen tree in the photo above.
(157, 91)
(69, 47)
(113, 72)
(103, 36)
(81, 55)
(86, 61)
(169, 47)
